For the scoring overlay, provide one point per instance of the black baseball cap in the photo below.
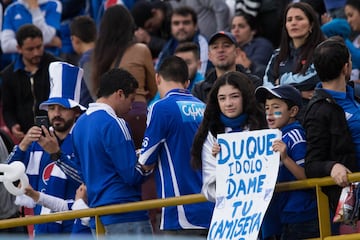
(287, 92)
(222, 34)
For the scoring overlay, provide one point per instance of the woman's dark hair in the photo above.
(315, 37)
(116, 34)
(354, 3)
(211, 121)
(252, 21)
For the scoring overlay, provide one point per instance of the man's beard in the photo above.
(35, 60)
(63, 127)
(224, 66)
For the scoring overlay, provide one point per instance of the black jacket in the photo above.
(329, 140)
(17, 98)
(202, 89)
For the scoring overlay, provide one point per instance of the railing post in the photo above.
(100, 230)
(323, 212)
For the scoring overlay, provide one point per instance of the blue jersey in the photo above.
(172, 124)
(294, 206)
(46, 175)
(46, 18)
(106, 154)
(299, 205)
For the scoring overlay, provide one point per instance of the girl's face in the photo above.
(241, 30)
(230, 101)
(353, 17)
(277, 113)
(297, 24)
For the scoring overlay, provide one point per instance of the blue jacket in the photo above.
(106, 155)
(302, 82)
(259, 51)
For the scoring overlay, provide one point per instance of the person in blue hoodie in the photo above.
(341, 27)
(292, 213)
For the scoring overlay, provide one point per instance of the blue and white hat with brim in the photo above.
(65, 86)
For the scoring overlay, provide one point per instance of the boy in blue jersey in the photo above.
(171, 126)
(48, 153)
(106, 154)
(298, 209)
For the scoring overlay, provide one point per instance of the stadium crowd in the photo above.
(118, 101)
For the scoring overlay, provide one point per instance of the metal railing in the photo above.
(317, 183)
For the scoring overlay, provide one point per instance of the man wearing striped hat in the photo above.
(47, 152)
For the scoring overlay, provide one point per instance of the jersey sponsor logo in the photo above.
(47, 172)
(191, 111)
(18, 16)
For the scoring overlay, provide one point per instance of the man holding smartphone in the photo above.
(48, 152)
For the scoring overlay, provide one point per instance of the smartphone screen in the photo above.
(42, 120)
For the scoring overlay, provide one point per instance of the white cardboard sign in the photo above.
(246, 175)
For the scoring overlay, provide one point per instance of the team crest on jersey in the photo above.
(191, 111)
(47, 172)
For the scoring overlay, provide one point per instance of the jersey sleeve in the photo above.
(154, 136)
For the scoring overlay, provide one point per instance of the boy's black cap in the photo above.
(287, 92)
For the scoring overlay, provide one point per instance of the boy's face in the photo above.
(277, 113)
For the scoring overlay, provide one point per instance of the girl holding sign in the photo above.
(231, 107)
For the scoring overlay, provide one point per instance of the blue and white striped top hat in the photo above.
(65, 86)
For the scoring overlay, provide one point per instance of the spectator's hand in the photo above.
(49, 142)
(307, 94)
(55, 42)
(16, 131)
(243, 59)
(277, 82)
(142, 36)
(280, 146)
(29, 191)
(325, 18)
(339, 174)
(81, 193)
(215, 149)
(32, 135)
